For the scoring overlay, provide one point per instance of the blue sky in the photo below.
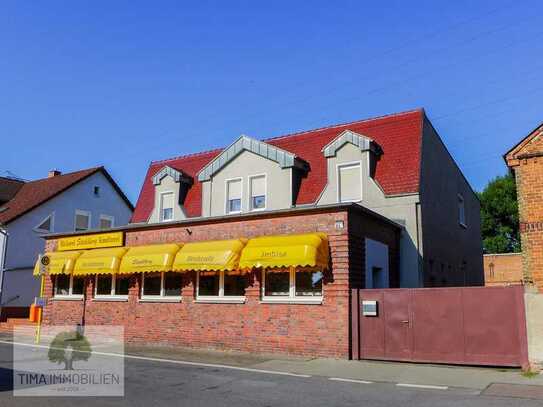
(123, 83)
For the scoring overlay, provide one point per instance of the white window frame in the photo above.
(52, 217)
(292, 298)
(112, 296)
(226, 208)
(83, 213)
(160, 201)
(250, 203)
(461, 208)
(236, 299)
(107, 217)
(161, 297)
(70, 295)
(339, 166)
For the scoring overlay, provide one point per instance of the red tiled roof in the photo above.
(397, 172)
(34, 193)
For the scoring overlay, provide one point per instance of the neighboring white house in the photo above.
(77, 201)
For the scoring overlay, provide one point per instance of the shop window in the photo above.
(233, 196)
(108, 285)
(166, 206)
(66, 285)
(257, 191)
(161, 286)
(292, 285)
(349, 182)
(220, 286)
(106, 221)
(46, 225)
(82, 220)
(461, 211)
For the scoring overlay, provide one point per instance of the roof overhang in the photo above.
(177, 176)
(362, 142)
(284, 158)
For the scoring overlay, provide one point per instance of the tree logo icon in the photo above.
(69, 347)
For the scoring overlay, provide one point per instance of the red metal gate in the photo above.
(468, 325)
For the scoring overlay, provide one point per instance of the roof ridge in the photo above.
(66, 174)
(215, 150)
(420, 110)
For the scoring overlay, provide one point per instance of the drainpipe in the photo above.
(3, 251)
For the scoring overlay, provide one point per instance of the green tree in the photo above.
(499, 216)
(68, 347)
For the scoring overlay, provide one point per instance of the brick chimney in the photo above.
(53, 173)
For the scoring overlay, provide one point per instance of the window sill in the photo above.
(160, 299)
(300, 301)
(111, 298)
(220, 300)
(67, 298)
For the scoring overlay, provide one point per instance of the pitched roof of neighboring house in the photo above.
(35, 193)
(398, 170)
(8, 188)
(529, 146)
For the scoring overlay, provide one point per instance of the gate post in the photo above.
(355, 324)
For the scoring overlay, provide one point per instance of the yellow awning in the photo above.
(286, 251)
(99, 261)
(141, 259)
(212, 256)
(59, 262)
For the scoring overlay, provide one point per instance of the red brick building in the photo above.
(526, 161)
(374, 203)
(317, 325)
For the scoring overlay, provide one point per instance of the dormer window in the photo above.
(349, 182)
(233, 194)
(166, 206)
(257, 192)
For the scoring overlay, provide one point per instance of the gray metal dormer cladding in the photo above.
(177, 176)
(282, 157)
(362, 142)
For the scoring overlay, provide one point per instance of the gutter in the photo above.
(232, 218)
(3, 250)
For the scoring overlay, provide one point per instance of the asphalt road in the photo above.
(151, 383)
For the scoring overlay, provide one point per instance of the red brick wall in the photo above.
(317, 330)
(503, 269)
(527, 164)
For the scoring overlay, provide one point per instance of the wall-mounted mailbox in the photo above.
(369, 308)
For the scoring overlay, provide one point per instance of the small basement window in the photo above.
(68, 286)
(161, 286)
(220, 286)
(285, 285)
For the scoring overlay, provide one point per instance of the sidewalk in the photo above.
(476, 378)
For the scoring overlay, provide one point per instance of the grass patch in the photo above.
(529, 374)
